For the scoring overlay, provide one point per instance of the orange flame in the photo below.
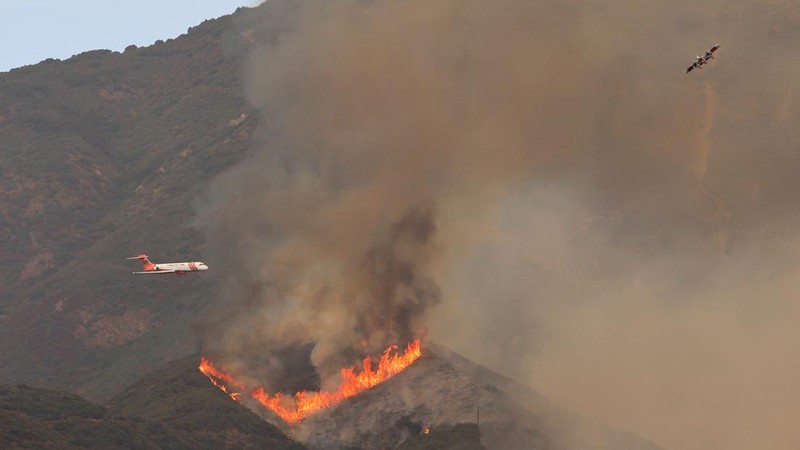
(219, 378)
(303, 403)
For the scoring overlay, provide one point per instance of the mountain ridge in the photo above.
(101, 156)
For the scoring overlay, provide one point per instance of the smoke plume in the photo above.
(388, 115)
(542, 187)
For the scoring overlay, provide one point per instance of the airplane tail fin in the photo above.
(146, 264)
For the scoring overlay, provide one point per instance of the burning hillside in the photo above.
(295, 408)
(567, 214)
(418, 394)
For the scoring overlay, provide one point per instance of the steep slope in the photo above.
(103, 156)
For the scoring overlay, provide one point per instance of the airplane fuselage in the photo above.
(177, 268)
(180, 267)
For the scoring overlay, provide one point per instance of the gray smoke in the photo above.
(588, 218)
(389, 115)
(652, 282)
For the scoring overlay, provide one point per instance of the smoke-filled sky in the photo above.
(539, 186)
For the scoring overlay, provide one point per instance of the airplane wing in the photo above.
(156, 271)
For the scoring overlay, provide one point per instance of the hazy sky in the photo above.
(34, 30)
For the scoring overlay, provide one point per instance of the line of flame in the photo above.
(219, 378)
(303, 403)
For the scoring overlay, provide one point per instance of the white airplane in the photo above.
(177, 268)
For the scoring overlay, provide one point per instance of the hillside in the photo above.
(44, 418)
(103, 156)
(430, 406)
(178, 396)
(536, 183)
(173, 407)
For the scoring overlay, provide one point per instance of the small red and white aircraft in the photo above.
(700, 61)
(177, 268)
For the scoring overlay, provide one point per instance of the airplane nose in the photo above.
(203, 266)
